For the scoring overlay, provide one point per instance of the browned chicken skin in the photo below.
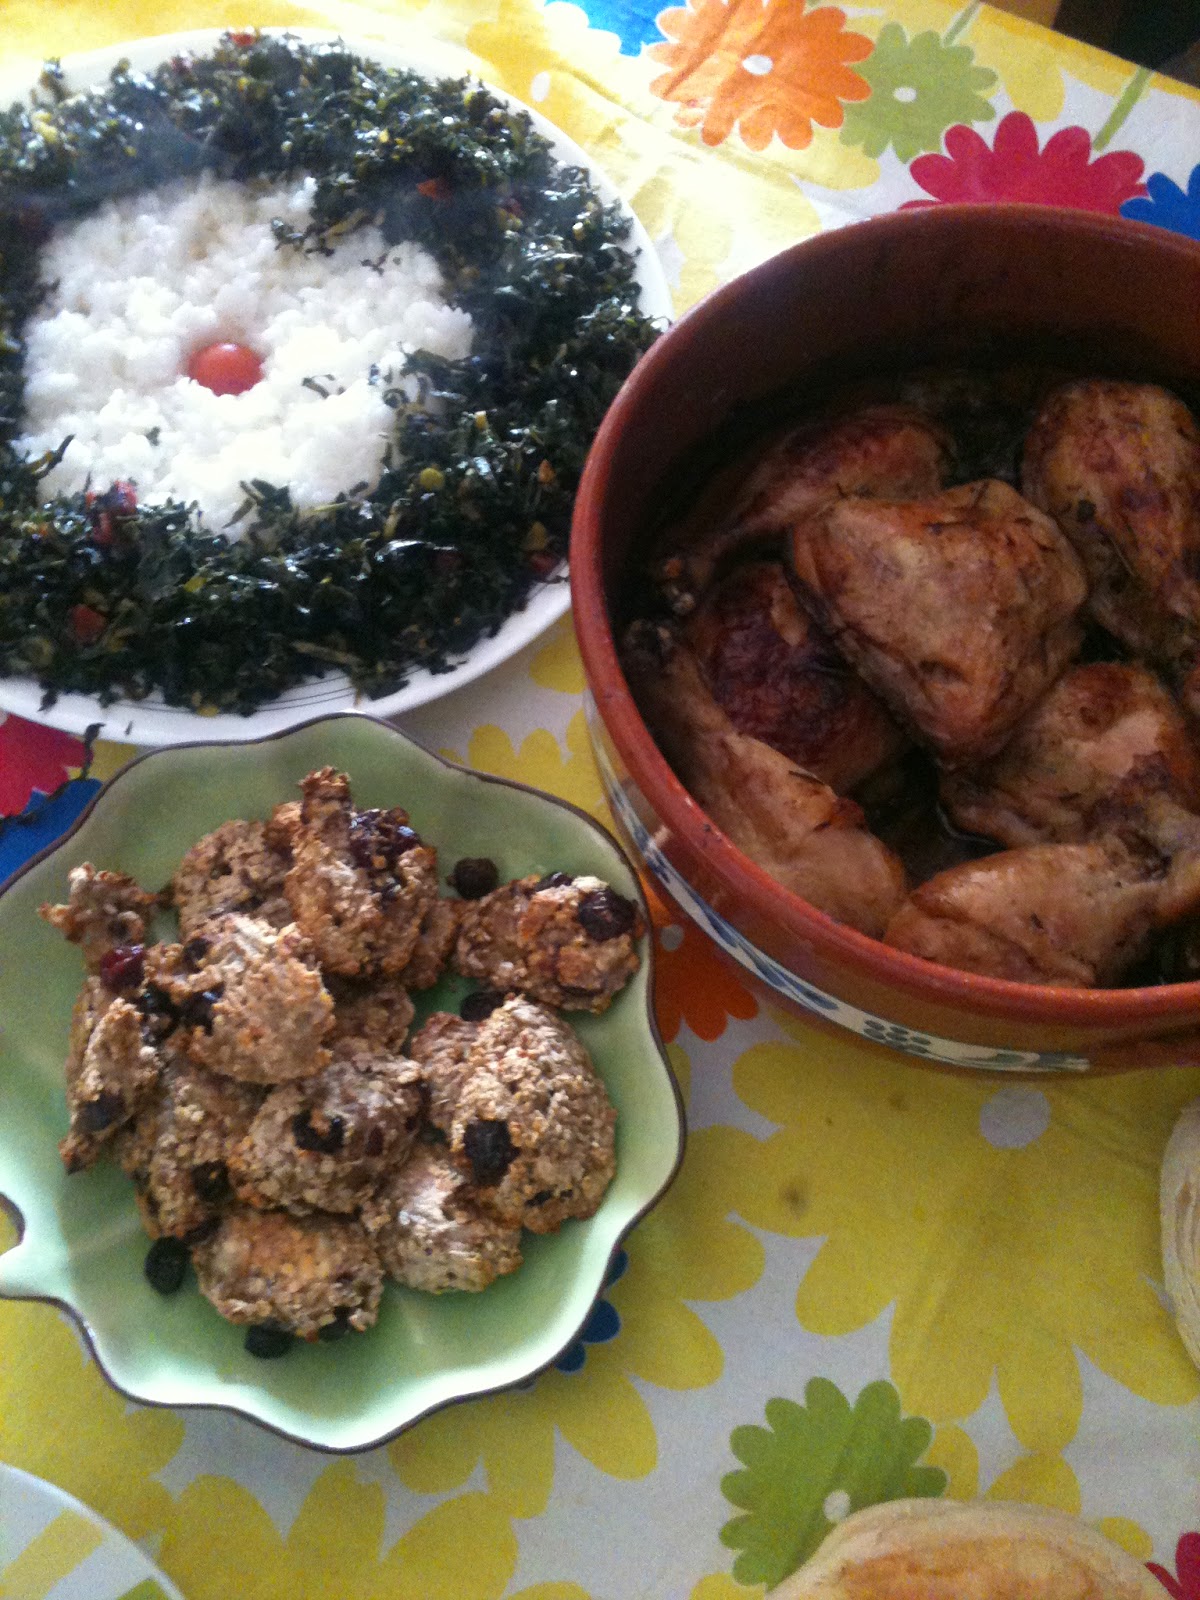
(789, 822)
(1118, 467)
(958, 609)
(1075, 914)
(1107, 732)
(756, 499)
(778, 679)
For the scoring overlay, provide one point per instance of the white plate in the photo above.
(152, 721)
(55, 1547)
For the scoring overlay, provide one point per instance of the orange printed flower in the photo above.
(767, 68)
(693, 981)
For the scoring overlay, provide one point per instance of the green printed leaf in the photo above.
(807, 1453)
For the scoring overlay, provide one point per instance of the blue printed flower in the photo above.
(603, 1324)
(633, 21)
(43, 820)
(1166, 205)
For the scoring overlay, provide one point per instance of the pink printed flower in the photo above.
(1061, 174)
(1186, 1584)
(33, 757)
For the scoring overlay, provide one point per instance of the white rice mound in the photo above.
(146, 281)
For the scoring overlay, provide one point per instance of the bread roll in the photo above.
(981, 1550)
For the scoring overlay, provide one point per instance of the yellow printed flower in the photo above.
(465, 1547)
(953, 1449)
(557, 665)
(1007, 1228)
(827, 162)
(686, 213)
(555, 61)
(82, 1434)
(540, 761)
(38, 31)
(686, 1250)
(1034, 65)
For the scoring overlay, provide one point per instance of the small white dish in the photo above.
(54, 1546)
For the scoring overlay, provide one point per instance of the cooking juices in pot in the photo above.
(928, 653)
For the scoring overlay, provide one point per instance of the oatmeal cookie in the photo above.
(531, 1124)
(234, 868)
(439, 930)
(361, 882)
(104, 912)
(568, 942)
(111, 1070)
(369, 1018)
(295, 1273)
(442, 1048)
(177, 1150)
(429, 1232)
(324, 1144)
(250, 1002)
(282, 825)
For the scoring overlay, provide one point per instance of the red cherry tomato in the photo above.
(225, 368)
(86, 624)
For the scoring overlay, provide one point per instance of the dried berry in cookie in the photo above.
(103, 910)
(474, 876)
(234, 868)
(361, 883)
(324, 1144)
(569, 942)
(166, 1265)
(249, 1000)
(299, 1274)
(527, 1118)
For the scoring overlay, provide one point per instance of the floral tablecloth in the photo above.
(869, 1279)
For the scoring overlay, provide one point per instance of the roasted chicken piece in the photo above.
(958, 609)
(1117, 465)
(1072, 914)
(777, 678)
(787, 821)
(1105, 730)
(755, 499)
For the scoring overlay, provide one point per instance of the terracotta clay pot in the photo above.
(923, 285)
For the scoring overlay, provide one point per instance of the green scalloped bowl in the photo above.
(81, 1244)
